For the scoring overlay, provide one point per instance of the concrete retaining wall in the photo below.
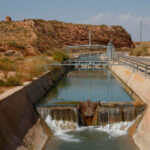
(141, 86)
(20, 127)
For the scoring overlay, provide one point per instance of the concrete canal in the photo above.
(110, 131)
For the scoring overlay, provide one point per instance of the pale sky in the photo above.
(126, 13)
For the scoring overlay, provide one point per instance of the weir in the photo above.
(92, 114)
(114, 114)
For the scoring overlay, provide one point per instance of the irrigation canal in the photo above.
(70, 133)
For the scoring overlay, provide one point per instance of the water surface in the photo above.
(84, 85)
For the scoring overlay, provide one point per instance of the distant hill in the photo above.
(32, 37)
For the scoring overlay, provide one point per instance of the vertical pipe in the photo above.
(90, 38)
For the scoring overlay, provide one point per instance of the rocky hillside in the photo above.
(31, 37)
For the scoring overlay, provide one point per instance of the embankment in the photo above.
(20, 126)
(140, 85)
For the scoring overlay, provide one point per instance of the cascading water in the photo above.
(110, 115)
(60, 113)
(68, 132)
(102, 116)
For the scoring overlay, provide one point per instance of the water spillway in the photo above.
(60, 113)
(102, 115)
(110, 122)
(110, 115)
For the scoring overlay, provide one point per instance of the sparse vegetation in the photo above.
(60, 56)
(6, 64)
(38, 66)
(16, 70)
(140, 51)
(11, 81)
(16, 45)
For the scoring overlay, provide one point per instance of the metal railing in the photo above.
(135, 65)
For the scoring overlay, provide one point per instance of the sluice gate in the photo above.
(92, 114)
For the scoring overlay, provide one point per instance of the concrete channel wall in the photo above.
(20, 127)
(140, 84)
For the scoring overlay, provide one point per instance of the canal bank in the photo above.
(20, 126)
(140, 84)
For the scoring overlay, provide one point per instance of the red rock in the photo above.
(8, 19)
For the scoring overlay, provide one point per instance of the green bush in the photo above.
(11, 81)
(60, 56)
(16, 45)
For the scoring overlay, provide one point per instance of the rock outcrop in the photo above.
(36, 36)
(8, 19)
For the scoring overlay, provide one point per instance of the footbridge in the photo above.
(92, 61)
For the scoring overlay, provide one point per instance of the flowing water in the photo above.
(109, 137)
(80, 86)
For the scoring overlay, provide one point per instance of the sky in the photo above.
(127, 13)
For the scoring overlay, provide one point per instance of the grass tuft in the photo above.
(6, 64)
(60, 56)
(11, 81)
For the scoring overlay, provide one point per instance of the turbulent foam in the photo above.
(116, 129)
(61, 128)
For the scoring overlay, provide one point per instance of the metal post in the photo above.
(145, 70)
(140, 32)
(137, 67)
(90, 38)
(76, 65)
(93, 65)
(79, 66)
(109, 51)
(133, 67)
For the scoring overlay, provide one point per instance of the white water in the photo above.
(61, 128)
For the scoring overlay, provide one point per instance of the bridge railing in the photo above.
(135, 65)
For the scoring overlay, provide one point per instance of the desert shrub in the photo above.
(48, 53)
(1, 83)
(6, 64)
(18, 58)
(60, 56)
(11, 81)
(16, 45)
(37, 69)
(24, 77)
(139, 51)
(38, 66)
